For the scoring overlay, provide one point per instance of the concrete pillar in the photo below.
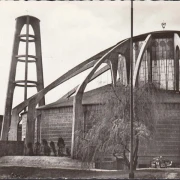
(14, 127)
(10, 90)
(78, 121)
(144, 47)
(114, 67)
(37, 58)
(78, 114)
(39, 67)
(127, 60)
(39, 128)
(30, 128)
(149, 64)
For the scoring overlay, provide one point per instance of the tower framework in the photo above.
(25, 58)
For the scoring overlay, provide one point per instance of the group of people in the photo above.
(40, 149)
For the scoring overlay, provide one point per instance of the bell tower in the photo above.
(26, 58)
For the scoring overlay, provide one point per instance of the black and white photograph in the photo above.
(89, 90)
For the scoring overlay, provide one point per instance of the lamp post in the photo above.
(131, 174)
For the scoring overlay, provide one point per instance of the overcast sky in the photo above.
(71, 32)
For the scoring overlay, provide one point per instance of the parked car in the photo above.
(160, 162)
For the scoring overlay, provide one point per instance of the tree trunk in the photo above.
(135, 159)
(126, 159)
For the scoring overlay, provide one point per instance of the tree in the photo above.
(111, 130)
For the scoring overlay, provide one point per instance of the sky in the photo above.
(72, 32)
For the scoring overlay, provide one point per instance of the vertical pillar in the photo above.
(38, 129)
(127, 57)
(176, 69)
(10, 90)
(78, 121)
(12, 136)
(30, 129)
(114, 66)
(26, 59)
(39, 66)
(30, 132)
(149, 63)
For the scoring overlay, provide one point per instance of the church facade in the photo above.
(156, 60)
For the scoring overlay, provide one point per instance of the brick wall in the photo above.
(166, 141)
(57, 123)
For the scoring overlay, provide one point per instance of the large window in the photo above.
(158, 64)
(162, 62)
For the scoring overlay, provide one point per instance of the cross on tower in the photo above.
(163, 24)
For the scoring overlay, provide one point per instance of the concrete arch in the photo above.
(114, 67)
(176, 62)
(176, 40)
(72, 91)
(78, 117)
(122, 60)
(144, 47)
(34, 100)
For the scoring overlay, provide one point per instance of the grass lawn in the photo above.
(35, 172)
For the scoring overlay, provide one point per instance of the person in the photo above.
(37, 149)
(61, 146)
(53, 148)
(46, 150)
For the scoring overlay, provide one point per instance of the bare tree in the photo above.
(111, 132)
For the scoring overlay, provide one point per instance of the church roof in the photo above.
(94, 96)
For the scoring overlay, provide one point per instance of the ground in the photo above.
(63, 167)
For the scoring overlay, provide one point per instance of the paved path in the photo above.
(31, 167)
(40, 161)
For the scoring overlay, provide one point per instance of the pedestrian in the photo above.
(53, 148)
(61, 146)
(30, 149)
(45, 148)
(37, 149)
